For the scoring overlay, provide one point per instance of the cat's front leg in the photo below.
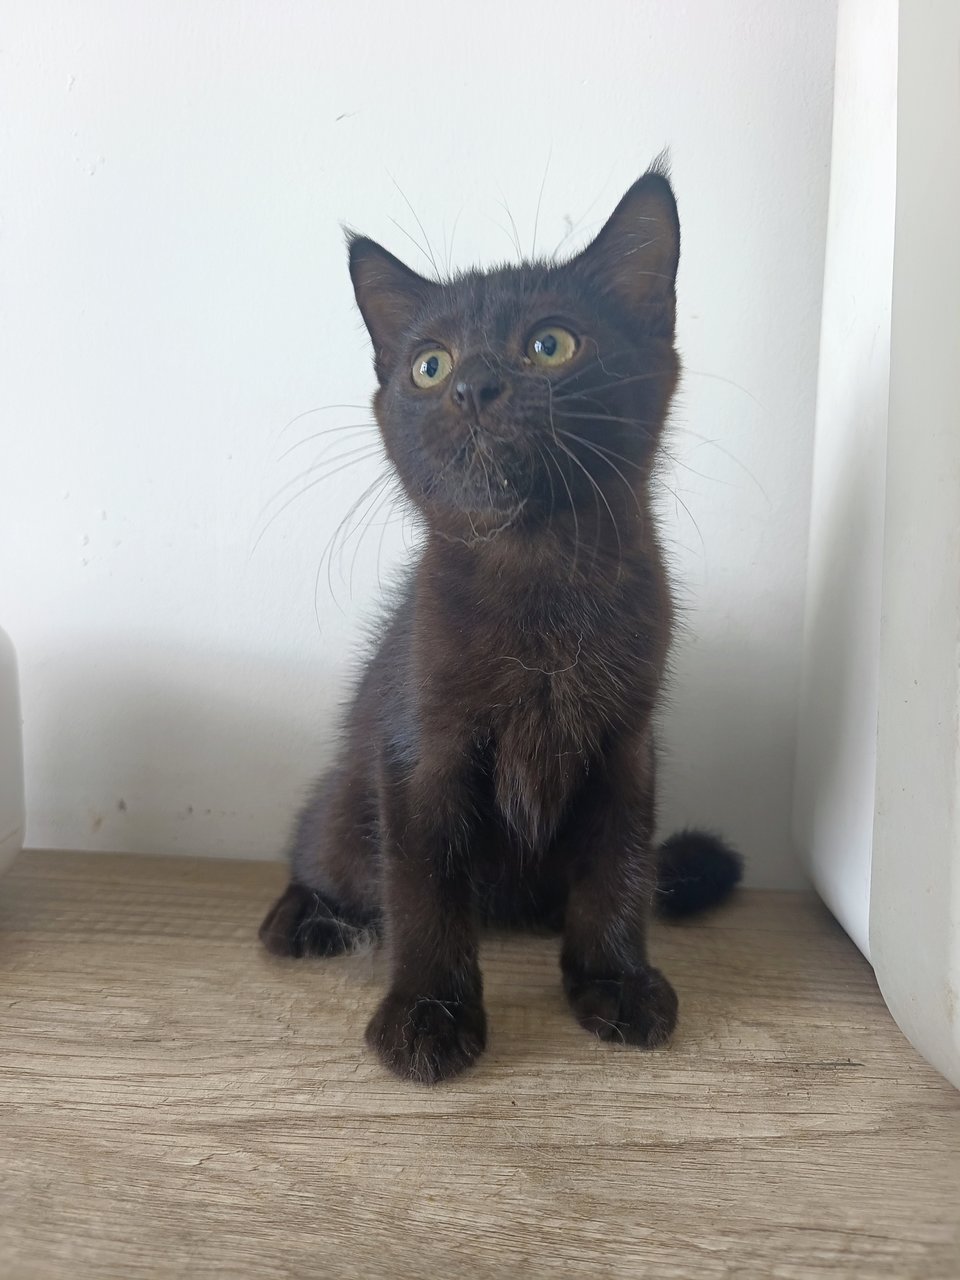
(431, 1024)
(612, 988)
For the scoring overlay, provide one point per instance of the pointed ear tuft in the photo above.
(634, 258)
(389, 296)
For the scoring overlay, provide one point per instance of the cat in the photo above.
(498, 757)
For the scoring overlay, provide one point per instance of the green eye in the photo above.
(551, 346)
(432, 367)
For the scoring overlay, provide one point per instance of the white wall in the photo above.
(173, 292)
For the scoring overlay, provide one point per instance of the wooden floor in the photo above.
(174, 1102)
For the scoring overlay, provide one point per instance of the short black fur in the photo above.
(498, 758)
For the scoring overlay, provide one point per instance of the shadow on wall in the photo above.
(726, 756)
(161, 750)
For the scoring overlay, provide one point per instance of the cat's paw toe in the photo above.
(303, 923)
(632, 1008)
(425, 1039)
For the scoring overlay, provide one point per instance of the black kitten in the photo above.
(498, 758)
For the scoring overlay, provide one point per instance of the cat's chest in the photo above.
(549, 687)
(545, 679)
(553, 700)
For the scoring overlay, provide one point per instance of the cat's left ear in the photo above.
(634, 258)
(389, 296)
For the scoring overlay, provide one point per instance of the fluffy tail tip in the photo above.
(696, 870)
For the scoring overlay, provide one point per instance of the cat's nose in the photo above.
(476, 387)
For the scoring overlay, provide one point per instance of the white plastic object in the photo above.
(915, 889)
(11, 756)
(836, 792)
(878, 779)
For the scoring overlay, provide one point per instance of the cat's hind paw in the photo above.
(302, 922)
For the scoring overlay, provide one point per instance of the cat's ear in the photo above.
(634, 257)
(389, 296)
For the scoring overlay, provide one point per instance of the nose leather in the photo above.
(476, 385)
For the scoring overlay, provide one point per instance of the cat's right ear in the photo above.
(389, 296)
(635, 255)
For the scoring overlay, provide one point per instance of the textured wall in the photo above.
(174, 292)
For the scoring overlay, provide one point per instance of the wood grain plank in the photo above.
(175, 1102)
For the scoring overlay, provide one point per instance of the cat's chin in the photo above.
(475, 528)
(480, 520)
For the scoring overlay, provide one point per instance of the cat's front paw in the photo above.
(425, 1039)
(633, 1008)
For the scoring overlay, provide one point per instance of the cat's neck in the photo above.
(589, 556)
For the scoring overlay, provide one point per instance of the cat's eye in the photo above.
(551, 346)
(432, 367)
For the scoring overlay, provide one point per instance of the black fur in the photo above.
(498, 759)
(695, 870)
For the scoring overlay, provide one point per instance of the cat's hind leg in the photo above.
(332, 903)
(305, 922)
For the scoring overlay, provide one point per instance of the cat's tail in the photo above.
(695, 870)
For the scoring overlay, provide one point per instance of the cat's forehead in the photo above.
(495, 302)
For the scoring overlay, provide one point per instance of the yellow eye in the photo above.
(551, 346)
(432, 367)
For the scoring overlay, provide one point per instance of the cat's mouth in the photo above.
(486, 474)
(480, 492)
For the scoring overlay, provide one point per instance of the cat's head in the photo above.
(513, 396)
